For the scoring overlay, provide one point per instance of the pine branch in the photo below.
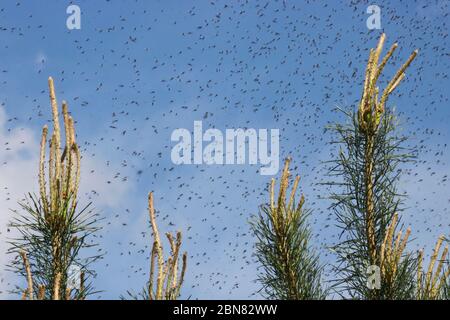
(169, 279)
(291, 269)
(52, 229)
(434, 284)
(366, 172)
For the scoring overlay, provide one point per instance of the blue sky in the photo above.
(137, 70)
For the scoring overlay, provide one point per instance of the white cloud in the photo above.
(18, 163)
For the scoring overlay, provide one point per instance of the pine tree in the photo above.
(367, 173)
(53, 232)
(290, 267)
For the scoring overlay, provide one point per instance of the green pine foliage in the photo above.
(53, 269)
(350, 206)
